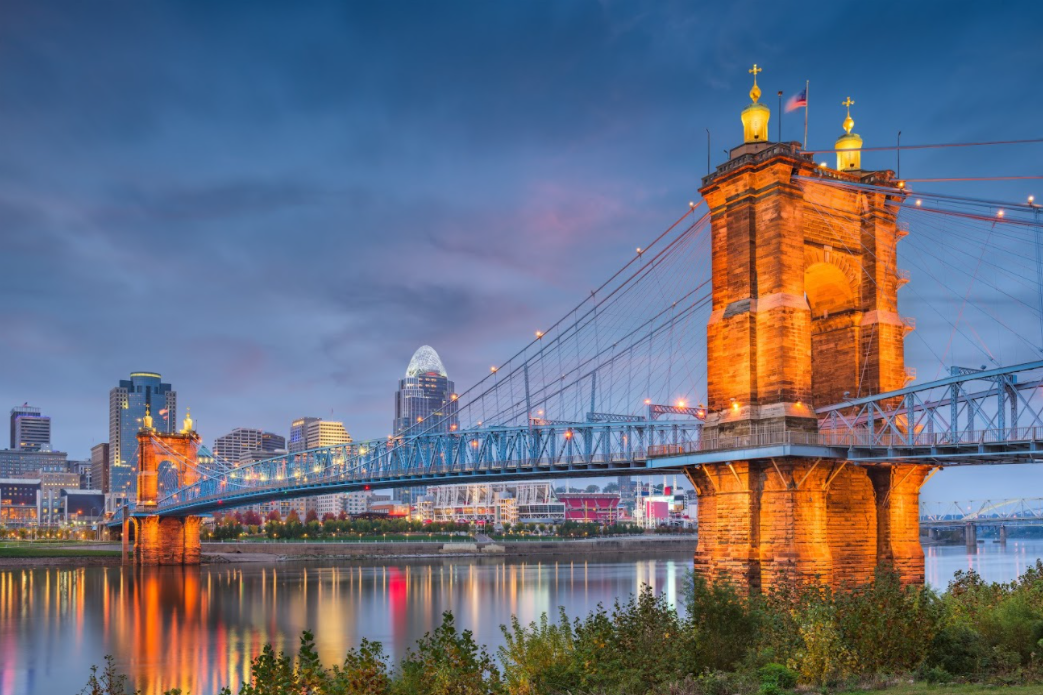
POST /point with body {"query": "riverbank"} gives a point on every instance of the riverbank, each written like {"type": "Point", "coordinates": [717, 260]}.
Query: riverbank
{"type": "Point", "coordinates": [626, 546]}
{"type": "Point", "coordinates": [109, 555]}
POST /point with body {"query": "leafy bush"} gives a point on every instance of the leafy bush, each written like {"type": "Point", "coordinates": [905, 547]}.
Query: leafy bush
{"type": "Point", "coordinates": [724, 622]}
{"type": "Point", "coordinates": [777, 675]}
{"type": "Point", "coordinates": [447, 662]}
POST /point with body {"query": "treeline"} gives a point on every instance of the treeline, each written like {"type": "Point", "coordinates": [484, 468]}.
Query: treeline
{"type": "Point", "coordinates": [722, 642]}
{"type": "Point", "coordinates": [570, 529]}
{"type": "Point", "coordinates": [230, 527]}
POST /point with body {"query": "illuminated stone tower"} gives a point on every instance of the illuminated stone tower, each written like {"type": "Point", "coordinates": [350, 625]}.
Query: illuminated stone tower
{"type": "Point", "coordinates": [804, 315]}
{"type": "Point", "coordinates": [167, 540]}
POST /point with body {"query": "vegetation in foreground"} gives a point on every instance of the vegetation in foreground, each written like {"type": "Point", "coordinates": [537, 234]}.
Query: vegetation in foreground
{"type": "Point", "coordinates": [881, 637]}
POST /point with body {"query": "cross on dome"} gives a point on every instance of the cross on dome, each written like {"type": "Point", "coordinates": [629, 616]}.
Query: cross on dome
{"type": "Point", "coordinates": [755, 93]}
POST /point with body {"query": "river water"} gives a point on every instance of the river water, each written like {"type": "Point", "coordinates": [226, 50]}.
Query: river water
{"type": "Point", "coordinates": [198, 628]}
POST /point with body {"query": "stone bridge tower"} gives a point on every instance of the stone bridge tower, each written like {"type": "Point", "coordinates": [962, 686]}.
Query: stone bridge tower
{"type": "Point", "coordinates": [164, 540]}
{"type": "Point", "coordinates": [805, 314]}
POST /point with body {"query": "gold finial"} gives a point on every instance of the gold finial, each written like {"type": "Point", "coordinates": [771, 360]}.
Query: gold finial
{"type": "Point", "coordinates": [849, 145]}
{"type": "Point", "coordinates": [755, 93]}
{"type": "Point", "coordinates": [849, 122]}
{"type": "Point", "coordinates": [188, 421]}
{"type": "Point", "coordinates": [147, 420]}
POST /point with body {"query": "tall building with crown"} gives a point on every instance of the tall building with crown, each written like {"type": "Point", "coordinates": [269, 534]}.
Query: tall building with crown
{"type": "Point", "coordinates": [128, 403]}
{"type": "Point", "coordinates": [424, 402]}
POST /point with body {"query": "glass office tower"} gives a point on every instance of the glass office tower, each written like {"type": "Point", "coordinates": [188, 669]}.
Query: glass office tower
{"type": "Point", "coordinates": [127, 403]}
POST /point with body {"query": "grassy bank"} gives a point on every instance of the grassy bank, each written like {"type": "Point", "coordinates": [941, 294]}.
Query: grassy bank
{"type": "Point", "coordinates": [27, 551]}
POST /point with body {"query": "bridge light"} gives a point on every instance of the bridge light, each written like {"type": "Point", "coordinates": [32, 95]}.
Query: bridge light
{"type": "Point", "coordinates": [680, 404]}
{"type": "Point", "coordinates": [453, 397]}
{"type": "Point", "coordinates": [648, 401]}
{"type": "Point", "coordinates": [568, 434]}
{"type": "Point", "coordinates": [999, 213]}
{"type": "Point", "coordinates": [492, 369]}
{"type": "Point", "coordinates": [639, 250]}
{"type": "Point", "coordinates": [419, 419]}
{"type": "Point", "coordinates": [474, 443]}
{"type": "Point", "coordinates": [918, 202]}
{"type": "Point", "coordinates": [901, 184]}
{"type": "Point", "coordinates": [539, 334]}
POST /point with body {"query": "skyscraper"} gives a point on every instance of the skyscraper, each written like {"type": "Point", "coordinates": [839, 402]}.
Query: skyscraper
{"type": "Point", "coordinates": [425, 399]}
{"type": "Point", "coordinates": [424, 402]}
{"type": "Point", "coordinates": [100, 467]}
{"type": "Point", "coordinates": [127, 404]}
{"type": "Point", "coordinates": [30, 431]}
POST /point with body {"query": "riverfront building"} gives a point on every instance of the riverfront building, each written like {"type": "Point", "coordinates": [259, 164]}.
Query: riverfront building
{"type": "Point", "coordinates": [127, 405]}
{"type": "Point", "coordinates": [492, 503]}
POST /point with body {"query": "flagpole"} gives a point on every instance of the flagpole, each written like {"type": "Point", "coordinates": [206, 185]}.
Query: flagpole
{"type": "Point", "coordinates": [807, 84]}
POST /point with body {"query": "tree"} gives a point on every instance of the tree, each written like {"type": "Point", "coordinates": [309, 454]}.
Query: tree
{"type": "Point", "coordinates": [293, 517]}
{"type": "Point", "coordinates": [252, 518]}
{"type": "Point", "coordinates": [593, 488]}
{"type": "Point", "coordinates": [611, 487]}
{"type": "Point", "coordinates": [311, 516]}
{"type": "Point", "coordinates": [274, 515]}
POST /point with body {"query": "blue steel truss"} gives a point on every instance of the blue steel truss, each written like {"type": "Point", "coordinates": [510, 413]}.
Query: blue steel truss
{"type": "Point", "coordinates": [974, 416]}
{"type": "Point", "coordinates": [477, 455]}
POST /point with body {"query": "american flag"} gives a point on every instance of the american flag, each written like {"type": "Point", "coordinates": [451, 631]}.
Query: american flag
{"type": "Point", "coordinates": [798, 100]}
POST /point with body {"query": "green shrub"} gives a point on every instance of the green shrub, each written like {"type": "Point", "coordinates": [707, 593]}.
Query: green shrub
{"type": "Point", "coordinates": [778, 675]}
{"type": "Point", "coordinates": [723, 621]}
{"type": "Point", "coordinates": [937, 674]}
{"type": "Point", "coordinates": [540, 658]}
{"type": "Point", "coordinates": [447, 662]}
{"type": "Point", "coordinates": [825, 659]}
{"type": "Point", "coordinates": [885, 626]}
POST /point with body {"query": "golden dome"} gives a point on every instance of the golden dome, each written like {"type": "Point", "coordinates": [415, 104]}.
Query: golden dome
{"type": "Point", "coordinates": [147, 420]}
{"type": "Point", "coordinates": [755, 116]}
{"type": "Point", "coordinates": [188, 421]}
{"type": "Point", "coordinates": [849, 145]}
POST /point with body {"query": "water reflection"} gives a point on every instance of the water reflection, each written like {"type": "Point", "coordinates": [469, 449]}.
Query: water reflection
{"type": "Point", "coordinates": [198, 628]}
{"type": "Point", "coordinates": [993, 561]}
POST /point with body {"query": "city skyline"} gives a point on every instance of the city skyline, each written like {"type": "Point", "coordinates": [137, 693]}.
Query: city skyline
{"type": "Point", "coordinates": [289, 165]}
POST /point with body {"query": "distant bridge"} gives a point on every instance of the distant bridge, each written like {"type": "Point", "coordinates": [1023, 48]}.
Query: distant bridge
{"type": "Point", "coordinates": [999, 512]}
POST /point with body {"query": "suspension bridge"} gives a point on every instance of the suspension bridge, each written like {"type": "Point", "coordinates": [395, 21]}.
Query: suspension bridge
{"type": "Point", "coordinates": [756, 346]}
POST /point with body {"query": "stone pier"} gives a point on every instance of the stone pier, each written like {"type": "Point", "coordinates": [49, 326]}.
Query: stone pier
{"type": "Point", "coordinates": [766, 523]}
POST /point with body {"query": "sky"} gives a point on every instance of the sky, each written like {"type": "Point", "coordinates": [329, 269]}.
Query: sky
{"type": "Point", "coordinates": [274, 204]}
